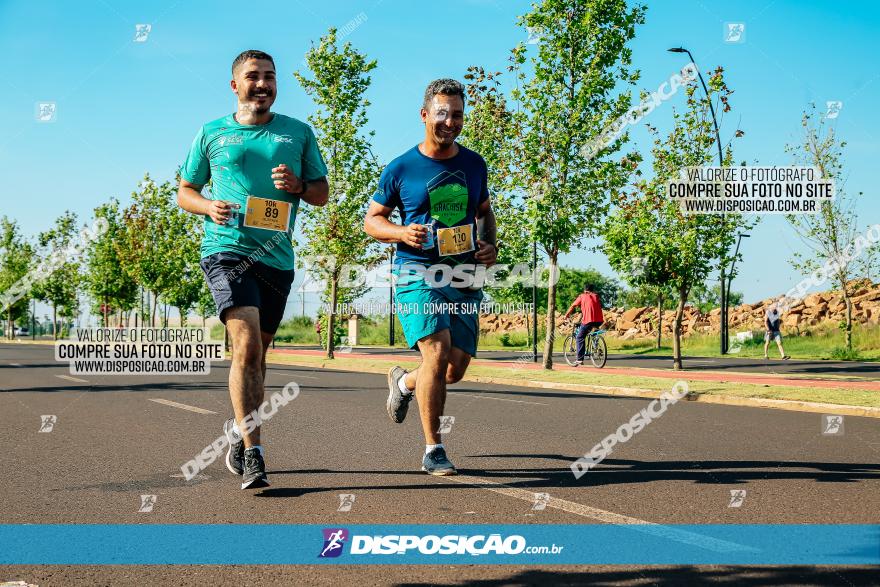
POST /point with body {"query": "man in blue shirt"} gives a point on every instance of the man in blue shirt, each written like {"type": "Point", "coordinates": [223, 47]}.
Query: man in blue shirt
{"type": "Point", "coordinates": [447, 235]}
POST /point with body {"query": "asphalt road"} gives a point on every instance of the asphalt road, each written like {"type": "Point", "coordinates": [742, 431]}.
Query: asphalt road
{"type": "Point", "coordinates": [113, 442]}
{"type": "Point", "coordinates": [812, 368]}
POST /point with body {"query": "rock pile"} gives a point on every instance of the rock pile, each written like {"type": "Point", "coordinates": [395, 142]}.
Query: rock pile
{"type": "Point", "coordinates": [813, 310]}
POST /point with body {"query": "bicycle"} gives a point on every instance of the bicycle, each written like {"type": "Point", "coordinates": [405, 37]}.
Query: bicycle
{"type": "Point", "coordinates": [596, 349]}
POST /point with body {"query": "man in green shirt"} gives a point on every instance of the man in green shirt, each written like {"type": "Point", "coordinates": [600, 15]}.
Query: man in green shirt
{"type": "Point", "coordinates": [260, 164]}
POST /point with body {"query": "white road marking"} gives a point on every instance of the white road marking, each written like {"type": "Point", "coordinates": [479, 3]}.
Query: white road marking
{"type": "Point", "coordinates": [168, 402]}
{"type": "Point", "coordinates": [606, 517]}
{"type": "Point", "coordinates": [69, 378]}
{"type": "Point", "coordinates": [198, 477]}
{"type": "Point", "coordinates": [500, 399]}
{"type": "Point", "coordinates": [15, 364]}
{"type": "Point", "coordinates": [295, 375]}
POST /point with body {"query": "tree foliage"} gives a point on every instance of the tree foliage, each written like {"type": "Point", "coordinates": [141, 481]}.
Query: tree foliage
{"type": "Point", "coordinates": [16, 258]}
{"type": "Point", "coordinates": [333, 234]}
{"type": "Point", "coordinates": [569, 95]}
{"type": "Point", "coordinates": [60, 288]}
{"type": "Point", "coordinates": [648, 239]}
{"type": "Point", "coordinates": [831, 235]}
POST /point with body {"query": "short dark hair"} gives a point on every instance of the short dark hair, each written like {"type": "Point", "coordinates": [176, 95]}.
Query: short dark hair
{"type": "Point", "coordinates": [445, 86]}
{"type": "Point", "coordinates": [250, 54]}
{"type": "Point", "coordinates": [588, 286]}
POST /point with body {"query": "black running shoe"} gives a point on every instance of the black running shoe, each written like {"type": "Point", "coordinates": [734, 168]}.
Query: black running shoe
{"type": "Point", "coordinates": [254, 475]}
{"type": "Point", "coordinates": [398, 402]}
{"type": "Point", "coordinates": [235, 454]}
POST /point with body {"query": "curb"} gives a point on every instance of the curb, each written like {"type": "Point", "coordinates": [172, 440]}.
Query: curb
{"type": "Point", "coordinates": [767, 403]}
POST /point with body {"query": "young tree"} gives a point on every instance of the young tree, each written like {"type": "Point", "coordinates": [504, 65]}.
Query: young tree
{"type": "Point", "coordinates": [205, 305]}
{"type": "Point", "coordinates": [491, 129]}
{"type": "Point", "coordinates": [645, 294]}
{"type": "Point", "coordinates": [648, 238]}
{"type": "Point", "coordinates": [60, 288]}
{"type": "Point", "coordinates": [104, 277]}
{"type": "Point", "coordinates": [16, 257]}
{"type": "Point", "coordinates": [832, 234]}
{"type": "Point", "coordinates": [333, 234]}
{"type": "Point", "coordinates": [564, 105]}
{"type": "Point", "coordinates": [149, 245]}
{"type": "Point", "coordinates": [184, 293]}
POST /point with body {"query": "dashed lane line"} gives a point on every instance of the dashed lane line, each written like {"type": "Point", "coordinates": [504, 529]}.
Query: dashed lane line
{"type": "Point", "coordinates": [168, 402]}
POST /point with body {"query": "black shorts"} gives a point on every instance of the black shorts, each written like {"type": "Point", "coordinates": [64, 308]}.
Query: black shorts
{"type": "Point", "coordinates": [235, 281]}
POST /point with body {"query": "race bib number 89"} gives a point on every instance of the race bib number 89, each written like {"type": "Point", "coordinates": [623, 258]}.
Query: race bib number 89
{"type": "Point", "coordinates": [455, 240]}
{"type": "Point", "coordinates": [267, 214]}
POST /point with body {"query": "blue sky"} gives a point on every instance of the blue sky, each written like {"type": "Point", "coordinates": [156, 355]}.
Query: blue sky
{"type": "Point", "coordinates": [127, 108]}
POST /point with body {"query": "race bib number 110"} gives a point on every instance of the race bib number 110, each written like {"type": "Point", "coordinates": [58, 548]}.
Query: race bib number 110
{"type": "Point", "coordinates": [456, 240]}
{"type": "Point", "coordinates": [267, 214]}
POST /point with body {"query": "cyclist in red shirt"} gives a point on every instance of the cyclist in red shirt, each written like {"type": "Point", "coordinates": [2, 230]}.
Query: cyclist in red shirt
{"type": "Point", "coordinates": [591, 318]}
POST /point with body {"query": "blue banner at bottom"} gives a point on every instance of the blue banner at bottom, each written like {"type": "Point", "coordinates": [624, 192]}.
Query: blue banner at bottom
{"type": "Point", "coordinates": [533, 544]}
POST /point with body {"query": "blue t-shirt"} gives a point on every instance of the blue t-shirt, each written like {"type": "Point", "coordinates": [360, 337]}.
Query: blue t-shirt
{"type": "Point", "coordinates": [445, 190]}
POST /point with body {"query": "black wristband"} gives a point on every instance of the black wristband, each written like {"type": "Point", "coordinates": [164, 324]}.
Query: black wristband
{"type": "Point", "coordinates": [305, 186]}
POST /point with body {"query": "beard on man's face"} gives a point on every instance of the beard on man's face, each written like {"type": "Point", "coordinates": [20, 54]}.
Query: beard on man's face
{"type": "Point", "coordinates": [259, 100]}
{"type": "Point", "coordinates": [445, 135]}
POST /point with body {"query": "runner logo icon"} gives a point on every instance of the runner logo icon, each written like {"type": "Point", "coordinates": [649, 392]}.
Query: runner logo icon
{"type": "Point", "coordinates": [334, 539]}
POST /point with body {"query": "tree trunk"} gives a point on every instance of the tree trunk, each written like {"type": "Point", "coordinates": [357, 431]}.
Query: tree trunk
{"type": "Point", "coordinates": [659, 319]}
{"type": "Point", "coordinates": [551, 313]}
{"type": "Point", "coordinates": [54, 322]}
{"type": "Point", "coordinates": [10, 329]}
{"type": "Point", "coordinates": [676, 328]}
{"type": "Point", "coordinates": [331, 318]}
{"type": "Point", "coordinates": [848, 303]}
{"type": "Point", "coordinates": [529, 330]}
{"type": "Point", "coordinates": [153, 310]}
{"type": "Point", "coordinates": [182, 317]}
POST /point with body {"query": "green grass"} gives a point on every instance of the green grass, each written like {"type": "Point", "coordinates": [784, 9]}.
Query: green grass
{"type": "Point", "coordinates": [835, 395]}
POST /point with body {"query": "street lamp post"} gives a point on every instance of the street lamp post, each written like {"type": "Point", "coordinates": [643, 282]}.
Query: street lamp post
{"type": "Point", "coordinates": [720, 164]}
{"type": "Point", "coordinates": [739, 238]}
{"type": "Point", "coordinates": [391, 296]}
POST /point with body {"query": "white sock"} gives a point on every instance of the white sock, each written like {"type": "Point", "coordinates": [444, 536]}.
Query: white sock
{"type": "Point", "coordinates": [401, 383]}
{"type": "Point", "coordinates": [259, 448]}
{"type": "Point", "coordinates": [430, 447]}
{"type": "Point", "coordinates": [235, 429]}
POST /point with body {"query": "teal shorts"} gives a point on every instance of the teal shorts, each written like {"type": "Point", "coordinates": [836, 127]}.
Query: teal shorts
{"type": "Point", "coordinates": [424, 310]}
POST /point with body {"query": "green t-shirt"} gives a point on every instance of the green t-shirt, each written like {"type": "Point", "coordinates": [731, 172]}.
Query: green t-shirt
{"type": "Point", "coordinates": [239, 159]}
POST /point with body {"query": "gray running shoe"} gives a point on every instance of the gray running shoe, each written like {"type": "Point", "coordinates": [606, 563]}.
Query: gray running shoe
{"type": "Point", "coordinates": [398, 402]}
{"type": "Point", "coordinates": [436, 463]}
{"type": "Point", "coordinates": [235, 454]}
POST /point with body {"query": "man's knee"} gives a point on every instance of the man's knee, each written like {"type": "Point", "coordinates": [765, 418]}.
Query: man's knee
{"type": "Point", "coordinates": [435, 349]}
{"type": "Point", "coordinates": [249, 353]}
{"type": "Point", "coordinates": [454, 373]}
{"type": "Point", "coordinates": [458, 364]}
